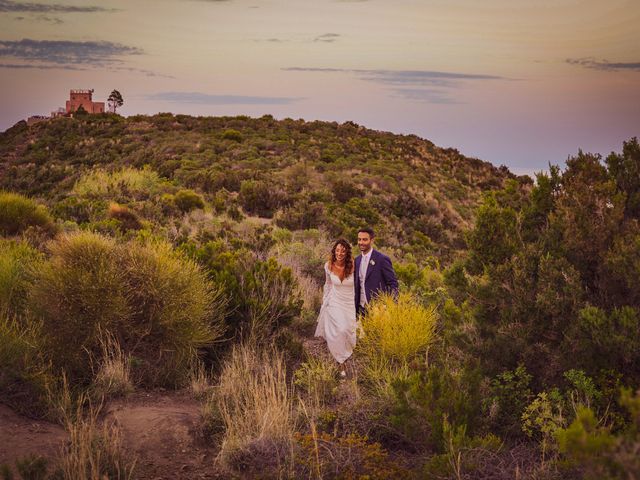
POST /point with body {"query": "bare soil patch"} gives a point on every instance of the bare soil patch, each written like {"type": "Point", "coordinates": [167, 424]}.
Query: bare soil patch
{"type": "Point", "coordinates": [159, 429]}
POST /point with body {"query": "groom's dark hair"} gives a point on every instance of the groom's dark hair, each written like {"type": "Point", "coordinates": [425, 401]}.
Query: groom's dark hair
{"type": "Point", "coordinates": [367, 230]}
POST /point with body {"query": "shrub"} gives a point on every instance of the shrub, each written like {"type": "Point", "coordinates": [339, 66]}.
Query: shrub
{"type": "Point", "coordinates": [259, 197]}
{"type": "Point", "coordinates": [31, 467]}
{"type": "Point", "coordinates": [18, 212]}
{"type": "Point", "coordinates": [271, 300]}
{"type": "Point", "coordinates": [510, 395]}
{"type": "Point", "coordinates": [233, 135]}
{"type": "Point", "coordinates": [262, 294]}
{"type": "Point", "coordinates": [396, 331]}
{"type": "Point", "coordinates": [254, 404]}
{"type": "Point", "coordinates": [466, 456]}
{"type": "Point", "coordinates": [318, 378]}
{"type": "Point", "coordinates": [585, 443]}
{"type": "Point", "coordinates": [178, 310]}
{"type": "Point", "coordinates": [187, 200]}
{"type": "Point", "coordinates": [345, 457]}
{"type": "Point", "coordinates": [303, 215]}
{"type": "Point", "coordinates": [127, 218]}
{"type": "Point", "coordinates": [23, 372]}
{"type": "Point", "coordinates": [16, 262]}
{"type": "Point", "coordinates": [121, 185]}
{"type": "Point", "coordinates": [80, 210]}
{"type": "Point", "coordinates": [80, 289]}
{"type": "Point", "coordinates": [159, 305]}
{"type": "Point", "coordinates": [428, 395]}
{"type": "Point", "coordinates": [543, 417]}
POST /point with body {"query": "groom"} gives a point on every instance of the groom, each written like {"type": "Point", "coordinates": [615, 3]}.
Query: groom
{"type": "Point", "coordinates": [373, 272]}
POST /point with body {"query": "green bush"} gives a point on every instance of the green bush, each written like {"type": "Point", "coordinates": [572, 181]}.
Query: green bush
{"type": "Point", "coordinates": [23, 372]}
{"type": "Point", "coordinates": [17, 262]}
{"type": "Point", "coordinates": [18, 212]}
{"type": "Point", "coordinates": [187, 200]}
{"type": "Point", "coordinates": [80, 289]}
{"type": "Point", "coordinates": [430, 394]}
{"type": "Point", "coordinates": [233, 135]}
{"type": "Point", "coordinates": [259, 197]}
{"type": "Point", "coordinates": [159, 306]}
{"type": "Point", "coordinates": [303, 215]}
{"type": "Point", "coordinates": [510, 395]}
{"type": "Point", "coordinates": [178, 310]}
{"type": "Point", "coordinates": [262, 293]}
{"type": "Point", "coordinates": [121, 186]}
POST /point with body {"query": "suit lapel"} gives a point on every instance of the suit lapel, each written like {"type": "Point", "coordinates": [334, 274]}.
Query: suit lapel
{"type": "Point", "coordinates": [356, 268]}
{"type": "Point", "coordinates": [370, 267]}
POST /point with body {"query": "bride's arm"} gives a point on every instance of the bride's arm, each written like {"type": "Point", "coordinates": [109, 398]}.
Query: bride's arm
{"type": "Point", "coordinates": [327, 283]}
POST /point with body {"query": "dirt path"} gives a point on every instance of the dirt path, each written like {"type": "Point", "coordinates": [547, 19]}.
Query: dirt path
{"type": "Point", "coordinates": [160, 430]}
{"type": "Point", "coordinates": [21, 436]}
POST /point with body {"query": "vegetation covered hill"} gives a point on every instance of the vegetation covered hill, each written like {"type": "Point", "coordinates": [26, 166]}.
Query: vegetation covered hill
{"type": "Point", "coordinates": [171, 252]}
{"type": "Point", "coordinates": [421, 198]}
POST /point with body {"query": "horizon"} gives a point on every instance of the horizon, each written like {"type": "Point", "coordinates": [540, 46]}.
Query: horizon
{"type": "Point", "coordinates": [517, 85]}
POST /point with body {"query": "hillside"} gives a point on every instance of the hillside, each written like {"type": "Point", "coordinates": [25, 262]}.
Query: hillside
{"type": "Point", "coordinates": [161, 279]}
{"type": "Point", "coordinates": [301, 174]}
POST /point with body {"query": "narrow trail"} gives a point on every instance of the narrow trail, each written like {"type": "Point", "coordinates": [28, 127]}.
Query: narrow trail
{"type": "Point", "coordinates": [160, 429]}
{"type": "Point", "coordinates": [162, 432]}
{"type": "Point", "coordinates": [21, 436]}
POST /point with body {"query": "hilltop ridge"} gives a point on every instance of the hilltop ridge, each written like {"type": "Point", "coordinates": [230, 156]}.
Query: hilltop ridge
{"type": "Point", "coordinates": [301, 174]}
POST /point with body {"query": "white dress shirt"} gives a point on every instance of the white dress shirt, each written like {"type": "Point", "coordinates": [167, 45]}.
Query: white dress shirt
{"type": "Point", "coordinates": [364, 264]}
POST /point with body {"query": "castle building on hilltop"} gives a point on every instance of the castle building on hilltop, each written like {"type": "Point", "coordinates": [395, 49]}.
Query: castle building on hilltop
{"type": "Point", "coordinates": [83, 98]}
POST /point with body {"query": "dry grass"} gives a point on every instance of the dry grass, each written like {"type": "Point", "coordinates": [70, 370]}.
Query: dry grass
{"type": "Point", "coordinates": [255, 405]}
{"type": "Point", "coordinates": [113, 377]}
{"type": "Point", "coordinates": [318, 377]}
{"type": "Point", "coordinates": [199, 381]}
{"type": "Point", "coordinates": [95, 450]}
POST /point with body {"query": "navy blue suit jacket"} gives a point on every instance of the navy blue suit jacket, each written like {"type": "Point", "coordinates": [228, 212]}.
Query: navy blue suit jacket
{"type": "Point", "coordinates": [380, 277]}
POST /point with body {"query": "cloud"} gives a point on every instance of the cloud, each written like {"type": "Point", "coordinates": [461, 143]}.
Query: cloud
{"type": "Point", "coordinates": [403, 77]}
{"type": "Point", "coordinates": [148, 73]}
{"type": "Point", "coordinates": [45, 18]}
{"type": "Point", "coordinates": [206, 99]}
{"type": "Point", "coordinates": [98, 53]}
{"type": "Point", "coordinates": [425, 95]}
{"type": "Point", "coordinates": [324, 38]}
{"type": "Point", "coordinates": [24, 66]}
{"type": "Point", "coordinates": [19, 66]}
{"type": "Point", "coordinates": [604, 64]}
{"type": "Point", "coordinates": [411, 84]}
{"type": "Point", "coordinates": [10, 6]}
{"type": "Point", "coordinates": [327, 38]}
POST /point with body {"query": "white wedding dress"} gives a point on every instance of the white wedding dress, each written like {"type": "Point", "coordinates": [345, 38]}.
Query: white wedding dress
{"type": "Point", "coordinates": [337, 319]}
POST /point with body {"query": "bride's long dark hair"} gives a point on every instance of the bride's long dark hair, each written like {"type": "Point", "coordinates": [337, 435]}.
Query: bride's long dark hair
{"type": "Point", "coordinates": [348, 259]}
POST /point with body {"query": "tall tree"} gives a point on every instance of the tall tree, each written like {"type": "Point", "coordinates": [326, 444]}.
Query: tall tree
{"type": "Point", "coordinates": [115, 100]}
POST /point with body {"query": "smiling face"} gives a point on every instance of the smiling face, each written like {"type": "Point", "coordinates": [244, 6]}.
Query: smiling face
{"type": "Point", "coordinates": [340, 253]}
{"type": "Point", "coordinates": [365, 242]}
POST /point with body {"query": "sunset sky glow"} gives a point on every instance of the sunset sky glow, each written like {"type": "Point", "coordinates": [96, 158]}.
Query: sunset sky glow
{"type": "Point", "coordinates": [514, 82]}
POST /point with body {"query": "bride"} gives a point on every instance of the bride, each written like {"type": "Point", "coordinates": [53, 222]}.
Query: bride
{"type": "Point", "coordinates": [337, 319]}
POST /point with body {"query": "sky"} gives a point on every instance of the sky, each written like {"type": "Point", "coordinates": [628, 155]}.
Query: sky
{"type": "Point", "coordinates": [521, 83]}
